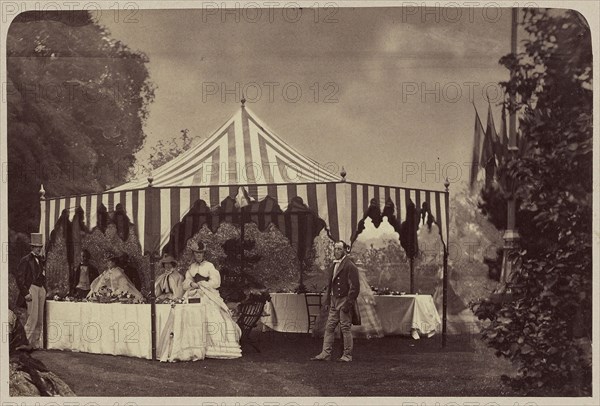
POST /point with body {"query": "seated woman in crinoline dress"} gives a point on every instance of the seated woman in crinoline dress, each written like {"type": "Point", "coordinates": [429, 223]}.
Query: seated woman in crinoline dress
{"type": "Point", "coordinates": [187, 337]}
{"type": "Point", "coordinates": [169, 284]}
{"type": "Point", "coordinates": [113, 278]}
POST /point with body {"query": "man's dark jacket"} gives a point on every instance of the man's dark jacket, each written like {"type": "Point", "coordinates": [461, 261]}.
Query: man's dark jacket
{"type": "Point", "coordinates": [345, 283]}
{"type": "Point", "coordinates": [29, 272]}
{"type": "Point", "coordinates": [92, 274]}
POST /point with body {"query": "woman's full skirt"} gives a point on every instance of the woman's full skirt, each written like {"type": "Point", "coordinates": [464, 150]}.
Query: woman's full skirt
{"type": "Point", "coordinates": [197, 331]}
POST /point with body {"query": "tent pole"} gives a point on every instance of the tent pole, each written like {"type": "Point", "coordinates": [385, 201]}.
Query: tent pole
{"type": "Point", "coordinates": [445, 298]}
{"type": "Point", "coordinates": [42, 230]}
{"type": "Point", "coordinates": [301, 287]}
{"type": "Point", "coordinates": [242, 240]}
{"type": "Point", "coordinates": [151, 243]}
{"type": "Point", "coordinates": [412, 275]}
{"type": "Point", "coordinates": [153, 303]}
{"type": "Point", "coordinates": [445, 274]}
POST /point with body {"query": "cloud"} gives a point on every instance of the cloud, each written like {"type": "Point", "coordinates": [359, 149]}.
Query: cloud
{"type": "Point", "coordinates": [415, 44]}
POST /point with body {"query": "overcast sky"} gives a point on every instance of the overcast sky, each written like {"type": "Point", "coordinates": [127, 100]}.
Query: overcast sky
{"type": "Point", "coordinates": [396, 86]}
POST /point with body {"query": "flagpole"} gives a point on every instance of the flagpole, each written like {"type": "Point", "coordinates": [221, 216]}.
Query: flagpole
{"type": "Point", "coordinates": [513, 50]}
{"type": "Point", "coordinates": [511, 235]}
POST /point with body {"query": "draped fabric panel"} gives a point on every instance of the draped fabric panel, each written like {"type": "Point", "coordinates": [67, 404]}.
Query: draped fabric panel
{"type": "Point", "coordinates": [156, 211]}
{"type": "Point", "coordinates": [132, 202]}
{"type": "Point", "coordinates": [438, 202]}
{"type": "Point", "coordinates": [298, 223]}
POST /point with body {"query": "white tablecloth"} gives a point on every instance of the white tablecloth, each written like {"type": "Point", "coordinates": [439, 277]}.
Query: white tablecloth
{"type": "Point", "coordinates": [106, 328]}
{"type": "Point", "coordinates": [399, 315]}
{"type": "Point", "coordinates": [100, 328]}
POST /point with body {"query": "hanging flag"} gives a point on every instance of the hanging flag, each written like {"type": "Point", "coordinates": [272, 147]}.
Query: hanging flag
{"type": "Point", "coordinates": [243, 199]}
{"type": "Point", "coordinates": [490, 139]}
{"type": "Point", "coordinates": [502, 153]}
{"type": "Point", "coordinates": [501, 149]}
{"type": "Point", "coordinates": [479, 132]}
{"type": "Point", "coordinates": [487, 159]}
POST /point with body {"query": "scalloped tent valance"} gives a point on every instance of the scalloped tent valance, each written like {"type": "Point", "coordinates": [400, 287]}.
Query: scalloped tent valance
{"type": "Point", "coordinates": [210, 173]}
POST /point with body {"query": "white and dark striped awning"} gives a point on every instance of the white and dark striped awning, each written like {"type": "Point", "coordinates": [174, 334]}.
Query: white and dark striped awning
{"type": "Point", "coordinates": [157, 210]}
{"type": "Point", "coordinates": [242, 152]}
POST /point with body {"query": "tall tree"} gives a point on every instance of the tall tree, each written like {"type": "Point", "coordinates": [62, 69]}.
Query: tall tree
{"type": "Point", "coordinates": [77, 102]}
{"type": "Point", "coordinates": [164, 152]}
{"type": "Point", "coordinates": [546, 329]}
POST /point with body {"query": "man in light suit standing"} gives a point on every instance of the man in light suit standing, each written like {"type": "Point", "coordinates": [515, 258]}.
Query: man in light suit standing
{"type": "Point", "coordinates": [31, 281]}
{"type": "Point", "coordinates": [342, 291]}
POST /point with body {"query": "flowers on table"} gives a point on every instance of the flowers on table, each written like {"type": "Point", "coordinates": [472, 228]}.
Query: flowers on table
{"type": "Point", "coordinates": [67, 298]}
{"type": "Point", "coordinates": [106, 295]}
{"type": "Point", "coordinates": [386, 291]}
{"type": "Point", "coordinates": [171, 301]}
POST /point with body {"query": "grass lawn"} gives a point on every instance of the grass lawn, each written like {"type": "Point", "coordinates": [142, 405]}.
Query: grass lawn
{"type": "Point", "coordinates": [391, 366]}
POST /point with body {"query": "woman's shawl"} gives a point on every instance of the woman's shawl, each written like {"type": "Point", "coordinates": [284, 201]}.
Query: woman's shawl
{"type": "Point", "coordinates": [169, 282]}
{"type": "Point", "coordinates": [116, 280]}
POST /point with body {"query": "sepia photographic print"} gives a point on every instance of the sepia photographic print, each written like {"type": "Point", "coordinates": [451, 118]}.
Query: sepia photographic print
{"type": "Point", "coordinates": [299, 203]}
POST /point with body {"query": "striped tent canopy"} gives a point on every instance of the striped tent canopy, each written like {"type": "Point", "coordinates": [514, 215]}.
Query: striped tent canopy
{"type": "Point", "coordinates": [242, 152]}
{"type": "Point", "coordinates": [199, 187]}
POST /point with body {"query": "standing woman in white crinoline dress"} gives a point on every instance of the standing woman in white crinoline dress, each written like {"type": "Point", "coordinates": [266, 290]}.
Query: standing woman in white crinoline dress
{"type": "Point", "coordinates": [370, 324]}
{"type": "Point", "coordinates": [218, 336]}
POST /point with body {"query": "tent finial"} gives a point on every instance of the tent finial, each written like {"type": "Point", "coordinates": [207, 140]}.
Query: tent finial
{"type": "Point", "coordinates": [42, 192]}
{"type": "Point", "coordinates": [243, 100]}
{"type": "Point", "coordinates": [343, 174]}
{"type": "Point", "coordinates": [447, 184]}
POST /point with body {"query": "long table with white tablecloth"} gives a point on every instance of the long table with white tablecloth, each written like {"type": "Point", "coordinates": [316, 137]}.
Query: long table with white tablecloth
{"type": "Point", "coordinates": [125, 329]}
{"type": "Point", "coordinates": [107, 328]}
{"type": "Point", "coordinates": [399, 315]}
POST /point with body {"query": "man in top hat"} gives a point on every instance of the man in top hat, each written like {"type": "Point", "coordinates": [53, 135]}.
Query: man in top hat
{"type": "Point", "coordinates": [342, 291]}
{"type": "Point", "coordinates": [31, 281]}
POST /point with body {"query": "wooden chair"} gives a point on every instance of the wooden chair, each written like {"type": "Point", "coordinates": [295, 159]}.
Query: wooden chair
{"type": "Point", "coordinates": [250, 313]}
{"type": "Point", "coordinates": [313, 308]}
